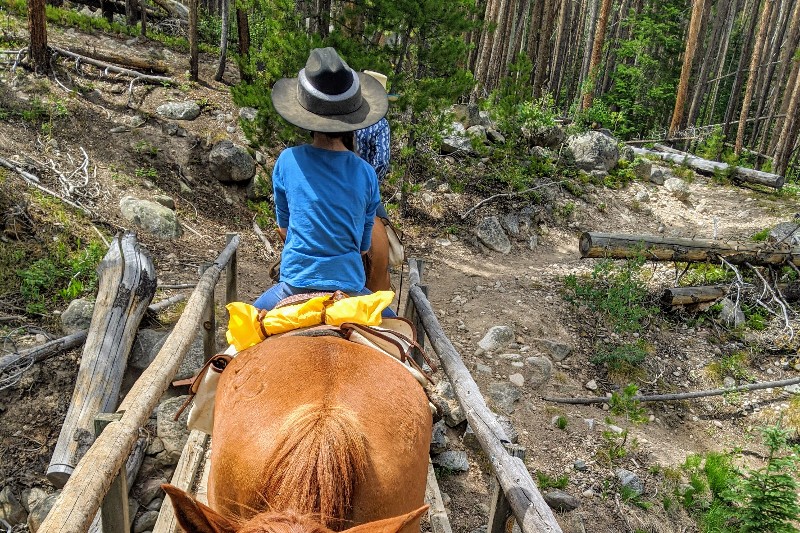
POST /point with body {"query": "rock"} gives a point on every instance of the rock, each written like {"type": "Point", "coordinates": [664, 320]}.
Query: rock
{"type": "Point", "coordinates": [453, 460]}
{"type": "Point", "coordinates": [151, 217]}
{"type": "Point", "coordinates": [179, 110]}
{"type": "Point", "coordinates": [477, 132]}
{"type": "Point", "coordinates": [485, 120]}
{"type": "Point", "coordinates": [136, 121]}
{"type": "Point", "coordinates": [467, 114]}
{"type": "Point", "coordinates": [677, 187]}
{"type": "Point", "coordinates": [32, 496]}
{"type": "Point", "coordinates": [728, 382]}
{"type": "Point", "coordinates": [165, 200]}
{"type": "Point", "coordinates": [642, 169]}
{"type": "Point", "coordinates": [503, 396]}
{"type": "Point", "coordinates": [625, 152]}
{"type": "Point", "coordinates": [557, 350]}
{"type": "Point", "coordinates": [456, 140]}
{"type": "Point", "coordinates": [545, 136]}
{"type": "Point", "coordinates": [539, 370]}
{"type": "Point", "coordinates": [77, 316]}
{"type": "Point", "coordinates": [230, 162]}
{"type": "Point", "coordinates": [173, 433]}
{"type": "Point", "coordinates": [517, 379]}
{"type": "Point", "coordinates": [145, 346]}
{"type": "Point", "coordinates": [657, 176]}
{"type": "Point", "coordinates": [731, 314]}
{"type": "Point", "coordinates": [594, 151]}
{"type": "Point", "coordinates": [591, 385]}
{"type": "Point", "coordinates": [439, 437]}
{"type": "Point", "coordinates": [11, 510]}
{"type": "Point", "coordinates": [579, 465]}
{"type": "Point", "coordinates": [248, 113]}
{"type": "Point", "coordinates": [642, 196]}
{"type": "Point", "coordinates": [150, 490]}
{"type": "Point", "coordinates": [630, 480]}
{"type": "Point", "coordinates": [495, 136]}
{"type": "Point", "coordinates": [145, 522]}
{"type": "Point", "coordinates": [785, 232]}
{"type": "Point", "coordinates": [511, 223]}
{"type": "Point", "coordinates": [41, 510]}
{"type": "Point", "coordinates": [496, 338]}
{"type": "Point", "coordinates": [560, 501]}
{"type": "Point", "coordinates": [490, 232]}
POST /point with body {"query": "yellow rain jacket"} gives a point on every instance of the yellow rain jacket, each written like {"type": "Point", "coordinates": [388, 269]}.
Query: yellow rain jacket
{"type": "Point", "coordinates": [244, 329]}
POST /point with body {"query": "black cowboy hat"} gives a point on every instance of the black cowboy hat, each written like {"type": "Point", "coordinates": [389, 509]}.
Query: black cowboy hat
{"type": "Point", "coordinates": [328, 96]}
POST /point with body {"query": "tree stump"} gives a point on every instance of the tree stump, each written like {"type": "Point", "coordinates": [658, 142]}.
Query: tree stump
{"type": "Point", "coordinates": [127, 285]}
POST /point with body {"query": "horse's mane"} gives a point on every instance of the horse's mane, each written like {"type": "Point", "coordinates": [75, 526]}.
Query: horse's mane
{"type": "Point", "coordinates": [318, 457]}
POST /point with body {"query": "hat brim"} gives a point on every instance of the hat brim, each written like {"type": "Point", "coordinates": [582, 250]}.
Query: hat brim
{"type": "Point", "coordinates": [373, 108]}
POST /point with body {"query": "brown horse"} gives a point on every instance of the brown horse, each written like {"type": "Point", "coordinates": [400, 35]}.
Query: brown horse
{"type": "Point", "coordinates": [313, 434]}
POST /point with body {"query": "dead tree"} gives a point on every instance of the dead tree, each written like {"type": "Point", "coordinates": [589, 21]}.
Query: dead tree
{"type": "Point", "coordinates": [127, 284]}
{"type": "Point", "coordinates": [37, 27]}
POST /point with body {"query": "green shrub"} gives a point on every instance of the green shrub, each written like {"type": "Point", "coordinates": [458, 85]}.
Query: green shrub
{"type": "Point", "coordinates": [544, 481]}
{"type": "Point", "coordinates": [624, 404]}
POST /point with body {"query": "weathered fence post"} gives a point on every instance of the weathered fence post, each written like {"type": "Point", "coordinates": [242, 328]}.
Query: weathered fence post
{"type": "Point", "coordinates": [209, 324]}
{"type": "Point", "coordinates": [415, 267]}
{"type": "Point", "coordinates": [500, 510]}
{"type": "Point", "coordinates": [127, 284]}
{"type": "Point", "coordinates": [114, 511]}
{"type": "Point", "coordinates": [230, 273]}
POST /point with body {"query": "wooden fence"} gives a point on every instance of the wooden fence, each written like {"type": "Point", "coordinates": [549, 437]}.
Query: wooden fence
{"type": "Point", "coordinates": [98, 481]}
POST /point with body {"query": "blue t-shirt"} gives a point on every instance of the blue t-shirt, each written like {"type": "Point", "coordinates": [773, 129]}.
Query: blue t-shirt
{"type": "Point", "coordinates": [327, 201]}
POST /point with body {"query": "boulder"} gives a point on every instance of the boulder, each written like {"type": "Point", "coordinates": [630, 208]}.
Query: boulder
{"type": "Point", "coordinates": [230, 162]}
{"type": "Point", "coordinates": [77, 316]}
{"type": "Point", "coordinates": [496, 338]}
{"type": "Point", "coordinates": [677, 187]}
{"type": "Point", "coordinates": [490, 232]}
{"type": "Point", "coordinates": [594, 150]}
{"type": "Point", "coordinates": [179, 110]}
{"type": "Point", "coordinates": [151, 217]}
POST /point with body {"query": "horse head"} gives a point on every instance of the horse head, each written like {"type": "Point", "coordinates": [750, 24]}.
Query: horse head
{"type": "Point", "coordinates": [194, 517]}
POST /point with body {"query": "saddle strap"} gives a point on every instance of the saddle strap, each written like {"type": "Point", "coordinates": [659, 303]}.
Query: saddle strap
{"type": "Point", "coordinates": [397, 340]}
{"type": "Point", "coordinates": [216, 363]}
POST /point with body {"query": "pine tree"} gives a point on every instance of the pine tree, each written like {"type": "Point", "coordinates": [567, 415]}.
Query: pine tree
{"type": "Point", "coordinates": [686, 71]}
{"type": "Point", "coordinates": [37, 27]}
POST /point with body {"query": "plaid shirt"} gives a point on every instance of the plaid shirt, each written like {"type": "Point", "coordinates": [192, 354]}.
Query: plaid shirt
{"type": "Point", "coordinates": [373, 146]}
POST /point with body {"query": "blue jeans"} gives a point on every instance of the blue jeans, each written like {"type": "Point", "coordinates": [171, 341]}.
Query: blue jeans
{"type": "Point", "coordinates": [282, 290]}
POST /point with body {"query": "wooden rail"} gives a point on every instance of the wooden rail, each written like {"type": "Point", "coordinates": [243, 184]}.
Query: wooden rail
{"type": "Point", "coordinates": [529, 508]}
{"type": "Point", "coordinates": [86, 488]}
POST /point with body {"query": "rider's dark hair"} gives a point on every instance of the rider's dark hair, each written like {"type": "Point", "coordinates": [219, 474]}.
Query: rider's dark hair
{"type": "Point", "coordinates": [348, 138]}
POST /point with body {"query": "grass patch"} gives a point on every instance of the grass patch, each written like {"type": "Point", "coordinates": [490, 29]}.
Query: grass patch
{"type": "Point", "coordinates": [544, 481]}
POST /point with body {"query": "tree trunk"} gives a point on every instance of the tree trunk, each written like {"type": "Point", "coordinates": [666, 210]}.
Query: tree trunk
{"type": "Point", "coordinates": [597, 50]}
{"type": "Point", "coordinates": [493, 73]}
{"type": "Point", "coordinates": [193, 48]}
{"type": "Point", "coordinates": [223, 40]}
{"type": "Point", "coordinates": [785, 76]}
{"type": "Point", "coordinates": [37, 28]}
{"type": "Point", "coordinates": [700, 89]}
{"type": "Point", "coordinates": [143, 18]}
{"type": "Point", "coordinates": [686, 70]}
{"type": "Point", "coordinates": [557, 71]}
{"type": "Point", "coordinates": [722, 53]}
{"type": "Point", "coordinates": [791, 124]}
{"type": "Point", "coordinates": [127, 284]}
{"type": "Point", "coordinates": [751, 79]}
{"type": "Point", "coordinates": [487, 38]}
{"type": "Point", "coordinates": [738, 81]}
{"type": "Point", "coordinates": [675, 296]}
{"type": "Point", "coordinates": [545, 49]}
{"type": "Point", "coordinates": [654, 248]}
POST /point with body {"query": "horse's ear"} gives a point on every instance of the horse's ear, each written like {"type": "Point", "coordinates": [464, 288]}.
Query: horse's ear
{"type": "Point", "coordinates": [195, 517]}
{"type": "Point", "coordinates": [389, 525]}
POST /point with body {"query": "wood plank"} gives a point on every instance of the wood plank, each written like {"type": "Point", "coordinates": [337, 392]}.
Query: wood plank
{"type": "Point", "coordinates": [127, 285]}
{"type": "Point", "coordinates": [654, 248]}
{"type": "Point", "coordinates": [194, 451]}
{"type": "Point", "coordinates": [88, 484]}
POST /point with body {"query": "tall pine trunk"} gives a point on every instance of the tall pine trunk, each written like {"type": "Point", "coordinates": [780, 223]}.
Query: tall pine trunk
{"type": "Point", "coordinates": [752, 78]}
{"type": "Point", "coordinates": [193, 47]}
{"type": "Point", "coordinates": [751, 15]}
{"type": "Point", "coordinates": [722, 54]}
{"type": "Point", "coordinates": [591, 22]}
{"type": "Point", "coordinates": [766, 89]}
{"type": "Point", "coordinates": [223, 40]}
{"type": "Point", "coordinates": [706, 64]}
{"type": "Point", "coordinates": [597, 51]}
{"type": "Point", "coordinates": [37, 28]}
{"type": "Point", "coordinates": [485, 52]}
{"type": "Point", "coordinates": [545, 48]}
{"type": "Point", "coordinates": [785, 71]}
{"type": "Point", "coordinates": [686, 70]}
{"type": "Point", "coordinates": [791, 125]}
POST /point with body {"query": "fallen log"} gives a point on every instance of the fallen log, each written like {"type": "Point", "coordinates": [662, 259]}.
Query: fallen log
{"type": "Point", "coordinates": [137, 63]}
{"type": "Point", "coordinates": [689, 296]}
{"type": "Point", "coordinates": [625, 246]}
{"type": "Point", "coordinates": [710, 167]}
{"type": "Point", "coordinates": [680, 296]}
{"type": "Point", "coordinates": [127, 284]}
{"type": "Point", "coordinates": [118, 8]}
{"type": "Point", "coordinates": [148, 78]}
{"type": "Point", "coordinates": [679, 396]}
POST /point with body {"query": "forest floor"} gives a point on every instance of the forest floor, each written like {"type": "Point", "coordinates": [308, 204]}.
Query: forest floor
{"type": "Point", "coordinates": [470, 288]}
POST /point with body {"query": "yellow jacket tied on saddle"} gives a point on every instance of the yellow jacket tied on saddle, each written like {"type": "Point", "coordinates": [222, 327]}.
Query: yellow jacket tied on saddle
{"type": "Point", "coordinates": [244, 329]}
